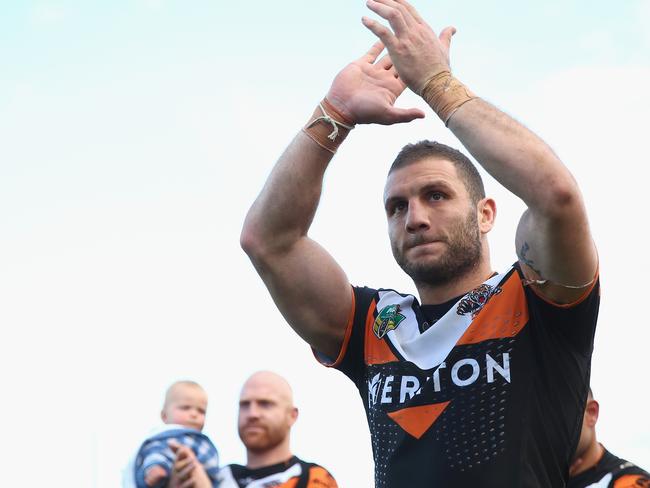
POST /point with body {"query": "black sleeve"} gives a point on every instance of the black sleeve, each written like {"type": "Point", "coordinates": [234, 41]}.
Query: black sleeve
{"type": "Point", "coordinates": [562, 338]}
{"type": "Point", "coordinates": [573, 324]}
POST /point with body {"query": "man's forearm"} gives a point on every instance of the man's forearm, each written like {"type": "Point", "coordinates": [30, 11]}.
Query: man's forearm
{"type": "Point", "coordinates": [308, 286]}
{"type": "Point", "coordinates": [513, 155]}
{"type": "Point", "coordinates": [553, 238]}
{"type": "Point", "coordinates": [284, 210]}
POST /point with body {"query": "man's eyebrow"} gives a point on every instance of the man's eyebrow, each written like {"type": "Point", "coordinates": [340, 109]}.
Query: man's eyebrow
{"type": "Point", "coordinates": [393, 199]}
{"type": "Point", "coordinates": [437, 185]}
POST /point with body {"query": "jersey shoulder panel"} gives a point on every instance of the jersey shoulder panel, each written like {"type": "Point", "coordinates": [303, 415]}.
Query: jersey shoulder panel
{"type": "Point", "coordinates": [319, 477]}
{"type": "Point", "coordinates": [632, 481]}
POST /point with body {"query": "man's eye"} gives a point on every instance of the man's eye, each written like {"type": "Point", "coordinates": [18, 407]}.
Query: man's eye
{"type": "Point", "coordinates": [436, 196]}
{"type": "Point", "coordinates": [399, 207]}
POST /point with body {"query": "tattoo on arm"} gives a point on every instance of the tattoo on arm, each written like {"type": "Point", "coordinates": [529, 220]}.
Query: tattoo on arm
{"type": "Point", "coordinates": [528, 262]}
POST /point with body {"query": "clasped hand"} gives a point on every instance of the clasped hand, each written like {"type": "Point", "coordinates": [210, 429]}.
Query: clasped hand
{"type": "Point", "coordinates": [365, 91]}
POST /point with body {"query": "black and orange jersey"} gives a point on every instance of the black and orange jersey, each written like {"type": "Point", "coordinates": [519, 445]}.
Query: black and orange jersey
{"type": "Point", "coordinates": [611, 472]}
{"type": "Point", "coordinates": [295, 473]}
{"type": "Point", "coordinates": [487, 390]}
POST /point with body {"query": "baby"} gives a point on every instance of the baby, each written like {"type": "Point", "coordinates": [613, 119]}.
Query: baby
{"type": "Point", "coordinates": [183, 414]}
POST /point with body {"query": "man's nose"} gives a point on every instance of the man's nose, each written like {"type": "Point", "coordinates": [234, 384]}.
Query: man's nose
{"type": "Point", "coordinates": [253, 411]}
{"type": "Point", "coordinates": [416, 217]}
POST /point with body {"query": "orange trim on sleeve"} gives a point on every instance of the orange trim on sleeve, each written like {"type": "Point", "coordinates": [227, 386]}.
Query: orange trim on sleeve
{"type": "Point", "coordinates": [346, 339]}
{"type": "Point", "coordinates": [575, 302]}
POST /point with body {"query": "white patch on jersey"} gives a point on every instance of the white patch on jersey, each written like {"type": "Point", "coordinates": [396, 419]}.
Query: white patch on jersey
{"type": "Point", "coordinates": [430, 348]}
{"type": "Point", "coordinates": [603, 483]}
{"type": "Point", "coordinates": [225, 478]}
{"type": "Point", "coordinates": [373, 389]}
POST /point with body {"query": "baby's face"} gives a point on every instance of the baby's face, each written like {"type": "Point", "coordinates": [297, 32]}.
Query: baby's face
{"type": "Point", "coordinates": [186, 407]}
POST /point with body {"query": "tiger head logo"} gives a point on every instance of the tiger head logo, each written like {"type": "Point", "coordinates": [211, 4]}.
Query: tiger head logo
{"type": "Point", "coordinates": [476, 299]}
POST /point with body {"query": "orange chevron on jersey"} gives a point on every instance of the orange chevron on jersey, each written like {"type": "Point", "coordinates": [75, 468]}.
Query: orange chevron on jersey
{"type": "Point", "coordinates": [417, 420]}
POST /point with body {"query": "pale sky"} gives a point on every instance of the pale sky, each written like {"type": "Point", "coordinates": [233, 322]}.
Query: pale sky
{"type": "Point", "coordinates": [134, 135]}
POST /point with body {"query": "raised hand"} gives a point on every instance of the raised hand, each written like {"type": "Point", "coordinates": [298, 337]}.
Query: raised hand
{"type": "Point", "coordinates": [366, 89]}
{"type": "Point", "coordinates": [187, 471]}
{"type": "Point", "coordinates": [415, 49]}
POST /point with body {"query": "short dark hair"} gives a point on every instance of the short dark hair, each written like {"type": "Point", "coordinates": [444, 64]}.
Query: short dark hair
{"type": "Point", "coordinates": [412, 153]}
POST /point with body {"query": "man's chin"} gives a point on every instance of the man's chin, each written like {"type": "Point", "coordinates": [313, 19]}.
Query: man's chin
{"type": "Point", "coordinates": [436, 269]}
{"type": "Point", "coordinates": [257, 446]}
{"type": "Point", "coordinates": [425, 265]}
{"type": "Point", "coordinates": [430, 271]}
{"type": "Point", "coordinates": [255, 443]}
{"type": "Point", "coordinates": [430, 251]}
{"type": "Point", "coordinates": [251, 434]}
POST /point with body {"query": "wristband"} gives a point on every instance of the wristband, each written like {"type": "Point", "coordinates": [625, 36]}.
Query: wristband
{"type": "Point", "coordinates": [445, 94]}
{"type": "Point", "coordinates": [328, 127]}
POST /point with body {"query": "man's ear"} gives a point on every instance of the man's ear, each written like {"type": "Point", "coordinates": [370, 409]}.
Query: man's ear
{"type": "Point", "coordinates": [591, 412]}
{"type": "Point", "coordinates": [486, 210]}
{"type": "Point", "coordinates": [293, 415]}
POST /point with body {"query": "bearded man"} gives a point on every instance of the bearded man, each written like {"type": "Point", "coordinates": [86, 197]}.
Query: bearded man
{"type": "Point", "coordinates": [482, 379]}
{"type": "Point", "coordinates": [266, 415]}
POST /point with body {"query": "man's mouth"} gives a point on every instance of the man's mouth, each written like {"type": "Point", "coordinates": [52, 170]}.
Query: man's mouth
{"type": "Point", "coordinates": [421, 243]}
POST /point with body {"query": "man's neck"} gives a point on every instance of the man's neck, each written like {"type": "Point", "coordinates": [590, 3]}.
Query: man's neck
{"type": "Point", "coordinates": [434, 295]}
{"type": "Point", "coordinates": [278, 454]}
{"type": "Point", "coordinates": [588, 460]}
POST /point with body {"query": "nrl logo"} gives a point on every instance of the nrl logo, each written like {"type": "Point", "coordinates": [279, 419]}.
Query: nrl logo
{"type": "Point", "coordinates": [476, 299]}
{"type": "Point", "coordinates": [387, 319]}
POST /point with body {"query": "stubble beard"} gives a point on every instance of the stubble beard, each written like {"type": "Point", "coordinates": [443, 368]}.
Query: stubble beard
{"type": "Point", "coordinates": [463, 255]}
{"type": "Point", "coordinates": [260, 443]}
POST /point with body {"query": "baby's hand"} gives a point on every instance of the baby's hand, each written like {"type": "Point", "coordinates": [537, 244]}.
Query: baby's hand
{"type": "Point", "coordinates": [154, 475]}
